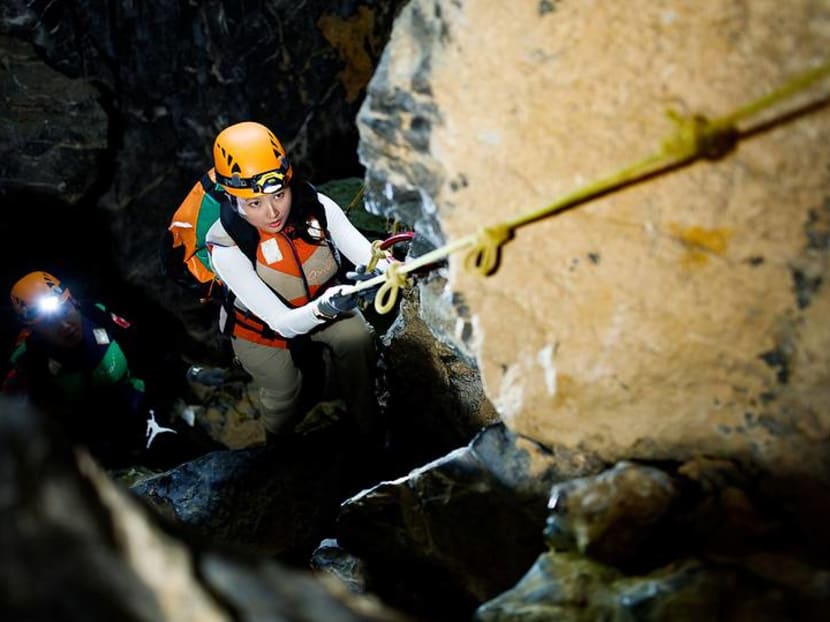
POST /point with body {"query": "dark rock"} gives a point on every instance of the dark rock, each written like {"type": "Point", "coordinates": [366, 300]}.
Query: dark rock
{"type": "Point", "coordinates": [53, 133]}
{"type": "Point", "coordinates": [569, 587]}
{"type": "Point", "coordinates": [330, 557]}
{"type": "Point", "coordinates": [559, 586]}
{"type": "Point", "coordinates": [617, 517]}
{"type": "Point", "coordinates": [76, 546]}
{"type": "Point", "coordinates": [432, 396]}
{"type": "Point", "coordinates": [278, 500]}
{"type": "Point", "coordinates": [460, 529]}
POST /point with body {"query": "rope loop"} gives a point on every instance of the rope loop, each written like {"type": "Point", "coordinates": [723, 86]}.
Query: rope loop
{"type": "Point", "coordinates": [377, 255]}
{"type": "Point", "coordinates": [484, 256]}
{"type": "Point", "coordinates": [698, 137]}
{"type": "Point", "coordinates": [387, 294]}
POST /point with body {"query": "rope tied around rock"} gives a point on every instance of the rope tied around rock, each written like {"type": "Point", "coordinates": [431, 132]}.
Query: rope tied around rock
{"type": "Point", "coordinates": [697, 137]}
{"type": "Point", "coordinates": [485, 255]}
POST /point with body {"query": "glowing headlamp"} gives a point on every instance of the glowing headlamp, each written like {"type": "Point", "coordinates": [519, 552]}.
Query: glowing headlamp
{"type": "Point", "coordinates": [49, 304]}
{"type": "Point", "coordinates": [45, 307]}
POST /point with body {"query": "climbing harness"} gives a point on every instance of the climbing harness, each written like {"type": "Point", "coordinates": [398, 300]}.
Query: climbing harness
{"type": "Point", "coordinates": [695, 137]}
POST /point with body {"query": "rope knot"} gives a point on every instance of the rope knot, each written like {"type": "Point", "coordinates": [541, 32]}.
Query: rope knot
{"type": "Point", "coordinates": [485, 254]}
{"type": "Point", "coordinates": [697, 137]}
{"type": "Point", "coordinates": [388, 292]}
{"type": "Point", "coordinates": [377, 255]}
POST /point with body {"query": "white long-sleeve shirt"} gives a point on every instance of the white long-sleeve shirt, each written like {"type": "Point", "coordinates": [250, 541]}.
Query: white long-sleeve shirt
{"type": "Point", "coordinates": [239, 274]}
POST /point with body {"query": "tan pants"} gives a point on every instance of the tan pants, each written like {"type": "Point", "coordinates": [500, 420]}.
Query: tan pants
{"type": "Point", "coordinates": [351, 341]}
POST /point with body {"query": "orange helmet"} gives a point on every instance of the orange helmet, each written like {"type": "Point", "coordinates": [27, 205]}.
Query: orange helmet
{"type": "Point", "coordinates": [249, 160]}
{"type": "Point", "coordinates": [37, 295]}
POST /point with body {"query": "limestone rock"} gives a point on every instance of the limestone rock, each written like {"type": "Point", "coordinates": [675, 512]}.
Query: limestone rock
{"type": "Point", "coordinates": [685, 314]}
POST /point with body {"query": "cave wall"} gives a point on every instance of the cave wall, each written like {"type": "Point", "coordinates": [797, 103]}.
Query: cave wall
{"type": "Point", "coordinates": [112, 108]}
{"type": "Point", "coordinates": [686, 314]}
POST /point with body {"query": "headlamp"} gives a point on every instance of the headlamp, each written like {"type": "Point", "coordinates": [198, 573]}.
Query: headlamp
{"type": "Point", "coordinates": [267, 182]}
{"type": "Point", "coordinates": [45, 307]}
{"type": "Point", "coordinates": [48, 304]}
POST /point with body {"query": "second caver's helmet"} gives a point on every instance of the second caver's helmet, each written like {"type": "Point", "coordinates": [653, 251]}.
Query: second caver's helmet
{"type": "Point", "coordinates": [38, 295]}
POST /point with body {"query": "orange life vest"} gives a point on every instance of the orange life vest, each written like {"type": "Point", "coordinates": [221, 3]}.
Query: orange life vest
{"type": "Point", "coordinates": [296, 270]}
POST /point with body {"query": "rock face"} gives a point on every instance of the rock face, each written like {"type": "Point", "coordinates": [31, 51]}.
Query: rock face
{"type": "Point", "coordinates": [76, 546]}
{"type": "Point", "coordinates": [277, 500]}
{"type": "Point", "coordinates": [676, 542]}
{"type": "Point", "coordinates": [685, 314]}
{"type": "Point", "coordinates": [50, 144]}
{"type": "Point", "coordinates": [432, 397]}
{"type": "Point", "coordinates": [435, 541]}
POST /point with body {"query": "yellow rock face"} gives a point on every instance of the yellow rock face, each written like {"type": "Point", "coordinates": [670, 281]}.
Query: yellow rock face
{"type": "Point", "coordinates": [687, 313]}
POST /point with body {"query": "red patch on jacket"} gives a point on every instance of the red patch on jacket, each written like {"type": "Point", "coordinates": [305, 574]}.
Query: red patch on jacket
{"type": "Point", "coordinates": [120, 321]}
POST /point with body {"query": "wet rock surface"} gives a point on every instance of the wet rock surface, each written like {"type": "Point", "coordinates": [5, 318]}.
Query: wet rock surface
{"type": "Point", "coordinates": [696, 541]}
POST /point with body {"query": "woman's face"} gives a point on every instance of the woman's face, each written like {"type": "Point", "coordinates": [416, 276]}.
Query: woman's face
{"type": "Point", "coordinates": [268, 212]}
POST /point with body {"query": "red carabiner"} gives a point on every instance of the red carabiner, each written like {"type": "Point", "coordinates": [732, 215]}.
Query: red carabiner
{"type": "Point", "coordinates": [404, 236]}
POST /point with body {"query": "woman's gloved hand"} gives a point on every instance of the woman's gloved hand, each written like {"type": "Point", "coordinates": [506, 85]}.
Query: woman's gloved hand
{"type": "Point", "coordinates": [360, 274]}
{"type": "Point", "coordinates": [334, 302]}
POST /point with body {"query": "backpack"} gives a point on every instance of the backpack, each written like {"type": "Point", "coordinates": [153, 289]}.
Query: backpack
{"type": "Point", "coordinates": [184, 253]}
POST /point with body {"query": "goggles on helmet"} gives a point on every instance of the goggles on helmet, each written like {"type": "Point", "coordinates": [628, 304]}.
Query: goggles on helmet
{"type": "Point", "coordinates": [268, 182]}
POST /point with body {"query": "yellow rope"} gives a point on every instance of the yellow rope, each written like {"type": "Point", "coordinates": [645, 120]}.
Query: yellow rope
{"type": "Point", "coordinates": [387, 296]}
{"type": "Point", "coordinates": [377, 255]}
{"type": "Point", "coordinates": [695, 137]}
{"type": "Point", "coordinates": [484, 256]}
{"type": "Point", "coordinates": [355, 198]}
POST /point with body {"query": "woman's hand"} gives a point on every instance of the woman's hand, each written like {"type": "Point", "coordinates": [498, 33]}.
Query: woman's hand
{"type": "Point", "coordinates": [334, 302]}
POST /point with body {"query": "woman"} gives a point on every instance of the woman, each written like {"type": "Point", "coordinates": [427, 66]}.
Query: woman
{"type": "Point", "coordinates": [277, 247]}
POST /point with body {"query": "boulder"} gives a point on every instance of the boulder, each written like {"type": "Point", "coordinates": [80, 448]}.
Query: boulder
{"type": "Point", "coordinates": [685, 314]}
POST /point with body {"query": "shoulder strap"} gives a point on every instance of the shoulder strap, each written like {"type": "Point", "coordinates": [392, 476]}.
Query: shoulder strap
{"type": "Point", "coordinates": [244, 234]}
{"type": "Point", "coordinates": [99, 314]}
